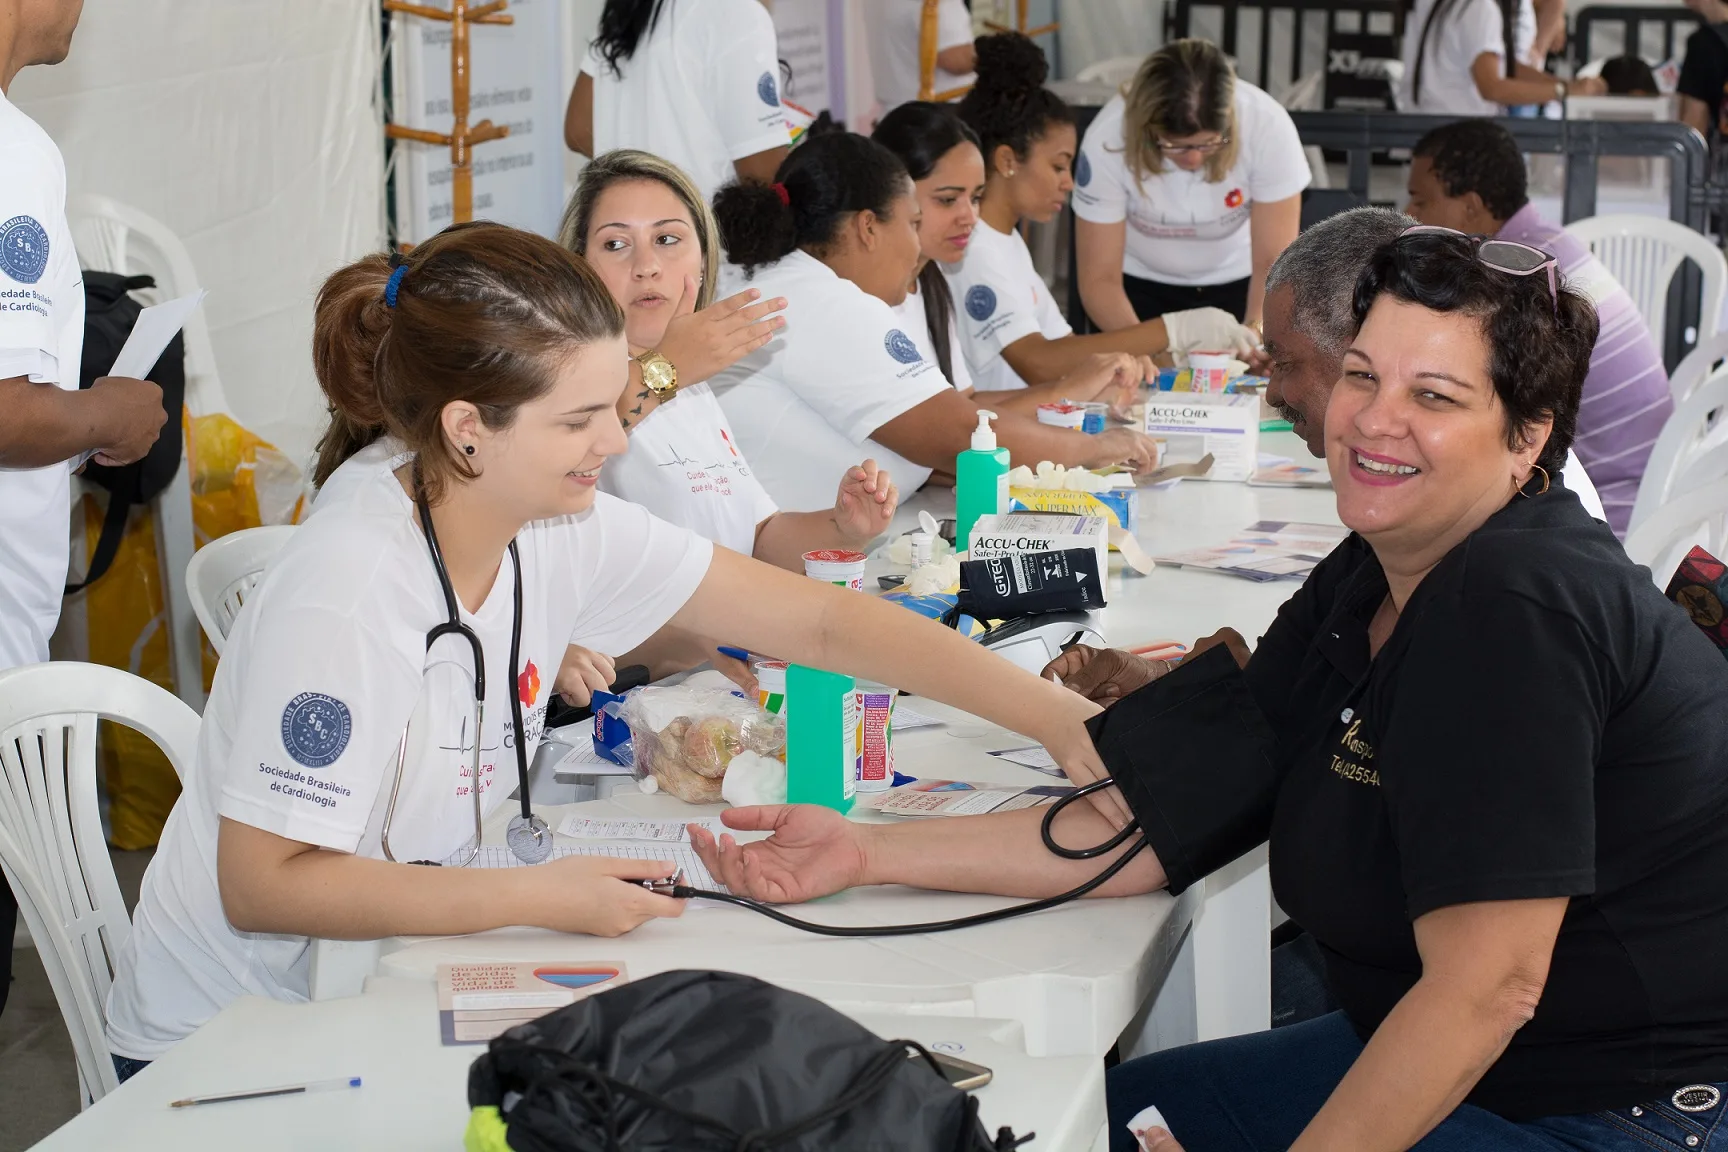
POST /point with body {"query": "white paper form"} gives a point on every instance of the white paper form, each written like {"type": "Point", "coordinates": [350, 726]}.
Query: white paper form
{"type": "Point", "coordinates": [149, 338]}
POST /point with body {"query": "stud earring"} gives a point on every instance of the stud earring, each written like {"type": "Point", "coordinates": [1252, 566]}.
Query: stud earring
{"type": "Point", "coordinates": [468, 448]}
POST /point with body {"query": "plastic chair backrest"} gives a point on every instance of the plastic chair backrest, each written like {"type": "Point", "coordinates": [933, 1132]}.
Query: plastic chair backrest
{"type": "Point", "coordinates": [117, 238]}
{"type": "Point", "coordinates": [1644, 253]}
{"type": "Point", "coordinates": [1691, 451]}
{"type": "Point", "coordinates": [1701, 362]}
{"type": "Point", "coordinates": [223, 573]}
{"type": "Point", "coordinates": [1696, 517]}
{"type": "Point", "coordinates": [53, 850]}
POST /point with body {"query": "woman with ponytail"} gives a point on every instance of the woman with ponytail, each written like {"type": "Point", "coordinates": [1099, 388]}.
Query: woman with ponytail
{"type": "Point", "coordinates": [472, 385]}
{"type": "Point", "coordinates": [1011, 328]}
{"type": "Point", "coordinates": [836, 234]}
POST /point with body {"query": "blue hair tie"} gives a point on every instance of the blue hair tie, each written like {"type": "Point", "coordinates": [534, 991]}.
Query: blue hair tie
{"type": "Point", "coordinates": [393, 285]}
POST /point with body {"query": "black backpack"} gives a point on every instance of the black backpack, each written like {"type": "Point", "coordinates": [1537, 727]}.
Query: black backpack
{"type": "Point", "coordinates": [717, 1062]}
{"type": "Point", "coordinates": [109, 314]}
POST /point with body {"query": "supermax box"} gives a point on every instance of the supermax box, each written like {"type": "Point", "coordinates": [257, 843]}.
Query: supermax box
{"type": "Point", "coordinates": [1120, 506]}
{"type": "Point", "coordinates": [1022, 533]}
{"type": "Point", "coordinates": [1192, 424]}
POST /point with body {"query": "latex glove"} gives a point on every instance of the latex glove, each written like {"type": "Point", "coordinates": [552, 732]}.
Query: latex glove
{"type": "Point", "coordinates": [866, 502]}
{"type": "Point", "coordinates": [1208, 330]}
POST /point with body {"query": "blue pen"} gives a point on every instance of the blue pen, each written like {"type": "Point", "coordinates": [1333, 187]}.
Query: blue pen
{"type": "Point", "coordinates": [736, 653]}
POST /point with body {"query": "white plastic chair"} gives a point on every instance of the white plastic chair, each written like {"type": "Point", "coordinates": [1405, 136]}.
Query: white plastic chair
{"type": "Point", "coordinates": [113, 237]}
{"type": "Point", "coordinates": [1644, 253]}
{"type": "Point", "coordinates": [51, 847]}
{"type": "Point", "coordinates": [223, 573]}
{"type": "Point", "coordinates": [1696, 517]}
{"type": "Point", "coordinates": [1700, 363]}
{"type": "Point", "coordinates": [1691, 451]}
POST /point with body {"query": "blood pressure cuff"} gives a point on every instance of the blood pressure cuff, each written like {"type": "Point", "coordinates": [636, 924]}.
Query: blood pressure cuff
{"type": "Point", "coordinates": [1194, 758]}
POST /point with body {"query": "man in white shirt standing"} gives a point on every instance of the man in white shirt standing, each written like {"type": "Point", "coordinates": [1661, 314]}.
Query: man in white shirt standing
{"type": "Point", "coordinates": [48, 426]}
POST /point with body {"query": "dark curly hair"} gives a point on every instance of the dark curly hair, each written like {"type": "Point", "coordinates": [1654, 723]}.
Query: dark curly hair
{"type": "Point", "coordinates": [826, 179]}
{"type": "Point", "coordinates": [1538, 347]}
{"type": "Point", "coordinates": [1009, 104]}
{"type": "Point", "coordinates": [1478, 156]}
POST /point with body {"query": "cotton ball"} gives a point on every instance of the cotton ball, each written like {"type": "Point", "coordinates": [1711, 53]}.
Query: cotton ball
{"type": "Point", "coordinates": [753, 779]}
{"type": "Point", "coordinates": [648, 785]}
{"type": "Point", "coordinates": [1046, 470]}
{"type": "Point", "coordinates": [1021, 477]}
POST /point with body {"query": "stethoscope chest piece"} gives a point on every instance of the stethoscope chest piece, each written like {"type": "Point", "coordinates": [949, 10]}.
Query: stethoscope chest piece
{"type": "Point", "coordinates": [529, 838]}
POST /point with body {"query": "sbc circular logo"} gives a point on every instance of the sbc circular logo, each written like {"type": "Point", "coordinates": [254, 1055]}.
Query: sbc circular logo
{"type": "Point", "coordinates": [980, 301]}
{"type": "Point", "coordinates": [768, 90]}
{"type": "Point", "coordinates": [315, 729]}
{"type": "Point", "coordinates": [23, 249]}
{"type": "Point", "coordinates": [900, 347]}
{"type": "Point", "coordinates": [1082, 170]}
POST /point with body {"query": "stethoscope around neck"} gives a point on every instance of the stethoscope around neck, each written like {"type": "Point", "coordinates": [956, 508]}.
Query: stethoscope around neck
{"type": "Point", "coordinates": [527, 834]}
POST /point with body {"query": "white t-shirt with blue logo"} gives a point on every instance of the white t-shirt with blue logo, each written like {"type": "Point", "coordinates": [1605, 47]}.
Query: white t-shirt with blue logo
{"type": "Point", "coordinates": [1000, 298]}
{"type": "Point", "coordinates": [806, 404]}
{"type": "Point", "coordinates": [1181, 227]}
{"type": "Point", "coordinates": [701, 90]}
{"type": "Point", "coordinates": [41, 338]}
{"type": "Point", "coordinates": [323, 671]}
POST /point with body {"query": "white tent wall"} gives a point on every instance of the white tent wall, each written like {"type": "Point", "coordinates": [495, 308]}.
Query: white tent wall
{"type": "Point", "coordinates": [250, 128]}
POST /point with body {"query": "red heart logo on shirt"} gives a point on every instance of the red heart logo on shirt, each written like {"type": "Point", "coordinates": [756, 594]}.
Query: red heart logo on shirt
{"type": "Point", "coordinates": [528, 685]}
{"type": "Point", "coordinates": [1233, 198]}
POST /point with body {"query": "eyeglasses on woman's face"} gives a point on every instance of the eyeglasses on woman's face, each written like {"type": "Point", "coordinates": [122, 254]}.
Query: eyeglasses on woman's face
{"type": "Point", "coordinates": [1201, 147]}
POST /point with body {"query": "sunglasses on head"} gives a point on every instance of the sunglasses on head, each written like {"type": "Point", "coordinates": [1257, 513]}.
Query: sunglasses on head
{"type": "Point", "coordinates": [1506, 256]}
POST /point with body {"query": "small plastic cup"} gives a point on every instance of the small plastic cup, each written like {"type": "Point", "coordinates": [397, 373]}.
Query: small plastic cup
{"type": "Point", "coordinates": [836, 566]}
{"type": "Point", "coordinates": [1097, 417]}
{"type": "Point", "coordinates": [1062, 415]}
{"type": "Point", "coordinates": [1210, 370]}
{"type": "Point", "coordinates": [771, 686]}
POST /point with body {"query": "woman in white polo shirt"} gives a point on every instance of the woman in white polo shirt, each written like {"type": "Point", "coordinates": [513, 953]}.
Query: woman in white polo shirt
{"type": "Point", "coordinates": [694, 81]}
{"type": "Point", "coordinates": [836, 234]}
{"type": "Point", "coordinates": [645, 229]}
{"type": "Point", "coordinates": [1187, 187]}
{"type": "Point", "coordinates": [943, 158]}
{"type": "Point", "coordinates": [1012, 331]}
{"type": "Point", "coordinates": [1455, 61]}
{"type": "Point", "coordinates": [461, 544]}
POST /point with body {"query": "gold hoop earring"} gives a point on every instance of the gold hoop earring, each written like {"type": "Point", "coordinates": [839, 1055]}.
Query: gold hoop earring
{"type": "Point", "coordinates": [1539, 491]}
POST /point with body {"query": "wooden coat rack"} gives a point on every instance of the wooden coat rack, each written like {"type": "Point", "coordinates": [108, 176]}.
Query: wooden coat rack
{"type": "Point", "coordinates": [462, 137]}
{"type": "Point", "coordinates": [929, 23]}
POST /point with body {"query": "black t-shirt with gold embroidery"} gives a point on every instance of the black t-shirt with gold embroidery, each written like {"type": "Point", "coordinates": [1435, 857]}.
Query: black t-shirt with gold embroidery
{"type": "Point", "coordinates": [1541, 722]}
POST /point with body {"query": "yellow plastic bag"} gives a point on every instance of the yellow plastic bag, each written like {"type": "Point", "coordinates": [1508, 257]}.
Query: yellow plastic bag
{"type": "Point", "coordinates": [238, 481]}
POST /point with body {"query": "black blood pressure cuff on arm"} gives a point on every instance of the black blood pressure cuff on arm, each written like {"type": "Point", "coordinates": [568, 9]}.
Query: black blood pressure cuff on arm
{"type": "Point", "coordinates": [1194, 758]}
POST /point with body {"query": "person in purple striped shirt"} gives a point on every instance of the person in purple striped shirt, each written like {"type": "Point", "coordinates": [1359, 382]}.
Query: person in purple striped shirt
{"type": "Point", "coordinates": [1469, 175]}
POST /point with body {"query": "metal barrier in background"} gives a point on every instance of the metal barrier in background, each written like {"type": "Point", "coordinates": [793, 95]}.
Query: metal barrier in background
{"type": "Point", "coordinates": [1275, 43]}
{"type": "Point", "coordinates": [1604, 30]}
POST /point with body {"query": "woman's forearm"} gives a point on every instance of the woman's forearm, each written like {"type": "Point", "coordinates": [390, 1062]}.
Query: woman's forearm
{"type": "Point", "coordinates": [340, 897]}
{"type": "Point", "coordinates": [783, 538]}
{"type": "Point", "coordinates": [1038, 360]}
{"type": "Point", "coordinates": [1003, 854]}
{"type": "Point", "coordinates": [1106, 302]}
{"type": "Point", "coordinates": [1422, 1061]}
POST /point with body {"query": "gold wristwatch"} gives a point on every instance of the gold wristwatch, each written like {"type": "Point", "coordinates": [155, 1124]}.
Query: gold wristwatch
{"type": "Point", "coordinates": [658, 375]}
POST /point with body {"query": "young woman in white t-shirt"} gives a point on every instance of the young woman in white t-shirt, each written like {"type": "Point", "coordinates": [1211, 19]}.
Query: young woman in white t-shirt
{"type": "Point", "coordinates": [942, 156]}
{"type": "Point", "coordinates": [1187, 187]}
{"type": "Point", "coordinates": [473, 388]}
{"type": "Point", "coordinates": [1013, 333]}
{"type": "Point", "coordinates": [694, 81]}
{"type": "Point", "coordinates": [837, 236]}
{"type": "Point", "coordinates": [1455, 61]}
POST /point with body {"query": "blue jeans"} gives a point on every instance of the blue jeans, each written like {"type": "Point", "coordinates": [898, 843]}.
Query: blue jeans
{"type": "Point", "coordinates": [125, 1067]}
{"type": "Point", "coordinates": [1256, 1093]}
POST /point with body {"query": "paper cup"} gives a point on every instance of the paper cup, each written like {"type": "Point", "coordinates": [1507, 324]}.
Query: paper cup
{"type": "Point", "coordinates": [836, 566]}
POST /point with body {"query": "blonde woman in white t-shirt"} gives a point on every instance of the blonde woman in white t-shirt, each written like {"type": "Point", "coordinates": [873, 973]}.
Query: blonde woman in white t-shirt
{"type": "Point", "coordinates": [1013, 333]}
{"type": "Point", "coordinates": [461, 542]}
{"type": "Point", "coordinates": [1187, 187]}
{"type": "Point", "coordinates": [694, 81]}
{"type": "Point", "coordinates": [642, 225]}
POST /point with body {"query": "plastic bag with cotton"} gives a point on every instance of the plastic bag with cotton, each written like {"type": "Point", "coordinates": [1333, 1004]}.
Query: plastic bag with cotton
{"type": "Point", "coordinates": [686, 737]}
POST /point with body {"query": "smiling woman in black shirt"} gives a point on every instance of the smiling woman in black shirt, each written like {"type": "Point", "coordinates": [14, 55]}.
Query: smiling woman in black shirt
{"type": "Point", "coordinates": [1490, 759]}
